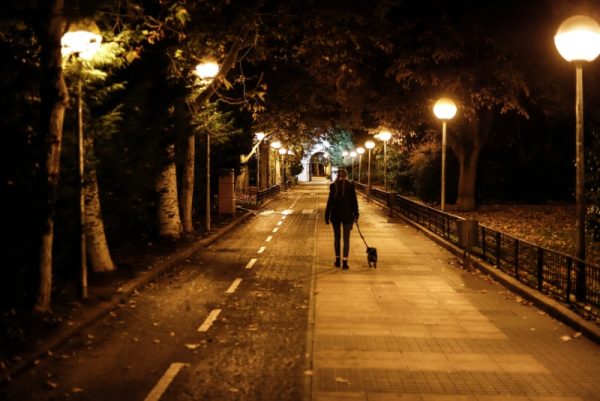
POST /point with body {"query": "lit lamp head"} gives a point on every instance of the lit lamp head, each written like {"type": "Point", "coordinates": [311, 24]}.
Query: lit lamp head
{"type": "Point", "coordinates": [207, 70]}
{"type": "Point", "coordinates": [289, 152]}
{"type": "Point", "coordinates": [444, 109]}
{"type": "Point", "coordinates": [83, 39]}
{"type": "Point", "coordinates": [260, 136]}
{"type": "Point", "coordinates": [360, 150]}
{"type": "Point", "coordinates": [578, 39]}
{"type": "Point", "coordinates": [384, 136]}
{"type": "Point", "coordinates": [344, 153]}
{"type": "Point", "coordinates": [283, 151]}
{"type": "Point", "coordinates": [353, 154]}
{"type": "Point", "coordinates": [369, 144]}
{"type": "Point", "coordinates": [276, 145]}
{"type": "Point", "coordinates": [326, 155]}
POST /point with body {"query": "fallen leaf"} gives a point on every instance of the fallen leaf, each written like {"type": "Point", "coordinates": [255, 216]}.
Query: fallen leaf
{"type": "Point", "coordinates": [77, 390]}
{"type": "Point", "coordinates": [308, 373]}
{"type": "Point", "coordinates": [50, 384]}
{"type": "Point", "coordinates": [192, 346]}
{"type": "Point", "coordinates": [577, 335]}
{"type": "Point", "coordinates": [156, 341]}
{"type": "Point", "coordinates": [342, 380]}
{"type": "Point", "coordinates": [566, 338]}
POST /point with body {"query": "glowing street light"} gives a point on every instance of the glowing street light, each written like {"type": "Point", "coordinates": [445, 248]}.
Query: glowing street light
{"type": "Point", "coordinates": [384, 136]}
{"type": "Point", "coordinates": [259, 137]}
{"type": "Point", "coordinates": [369, 145]}
{"type": "Point", "coordinates": [360, 150]}
{"type": "Point", "coordinates": [82, 40]}
{"type": "Point", "coordinates": [578, 40]}
{"type": "Point", "coordinates": [444, 109]}
{"type": "Point", "coordinates": [206, 71]}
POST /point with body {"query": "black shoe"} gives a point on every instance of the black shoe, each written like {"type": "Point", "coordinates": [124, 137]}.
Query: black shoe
{"type": "Point", "coordinates": [345, 265]}
{"type": "Point", "coordinates": [337, 262]}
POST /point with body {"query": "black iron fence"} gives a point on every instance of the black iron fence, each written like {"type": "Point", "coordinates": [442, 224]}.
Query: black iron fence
{"type": "Point", "coordinates": [556, 274]}
{"type": "Point", "coordinates": [252, 197]}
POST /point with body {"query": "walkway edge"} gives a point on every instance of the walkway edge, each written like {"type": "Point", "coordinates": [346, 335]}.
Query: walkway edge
{"type": "Point", "coordinates": [553, 308]}
{"type": "Point", "coordinates": [556, 309]}
{"type": "Point", "coordinates": [102, 309]}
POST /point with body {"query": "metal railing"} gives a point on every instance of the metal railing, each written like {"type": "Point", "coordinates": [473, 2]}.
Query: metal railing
{"type": "Point", "coordinates": [252, 197]}
{"type": "Point", "coordinates": [556, 274]}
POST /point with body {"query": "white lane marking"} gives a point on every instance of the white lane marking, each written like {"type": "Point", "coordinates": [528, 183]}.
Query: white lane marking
{"type": "Point", "coordinates": [164, 381]}
{"type": "Point", "coordinates": [269, 238]}
{"type": "Point", "coordinates": [275, 229]}
{"type": "Point", "coordinates": [307, 211]}
{"type": "Point", "coordinates": [279, 223]}
{"type": "Point", "coordinates": [210, 319]}
{"type": "Point", "coordinates": [262, 249]}
{"type": "Point", "coordinates": [233, 286]}
{"type": "Point", "coordinates": [251, 263]}
{"type": "Point", "coordinates": [287, 211]}
{"type": "Point", "coordinates": [283, 217]}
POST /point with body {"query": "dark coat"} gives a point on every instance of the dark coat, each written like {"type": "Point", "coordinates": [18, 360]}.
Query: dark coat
{"type": "Point", "coordinates": [342, 205]}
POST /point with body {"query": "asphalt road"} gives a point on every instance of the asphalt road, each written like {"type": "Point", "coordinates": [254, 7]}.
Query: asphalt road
{"type": "Point", "coordinates": [230, 323]}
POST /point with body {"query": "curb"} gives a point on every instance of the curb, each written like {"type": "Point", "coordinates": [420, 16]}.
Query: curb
{"type": "Point", "coordinates": [125, 292]}
{"type": "Point", "coordinates": [554, 308]}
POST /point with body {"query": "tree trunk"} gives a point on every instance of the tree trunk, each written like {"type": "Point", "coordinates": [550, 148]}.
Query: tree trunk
{"type": "Point", "coordinates": [187, 188]}
{"type": "Point", "coordinates": [169, 221]}
{"type": "Point", "coordinates": [96, 245]}
{"type": "Point", "coordinates": [54, 102]}
{"type": "Point", "coordinates": [466, 180]}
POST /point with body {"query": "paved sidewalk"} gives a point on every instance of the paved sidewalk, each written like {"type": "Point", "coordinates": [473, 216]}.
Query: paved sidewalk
{"type": "Point", "coordinates": [421, 328]}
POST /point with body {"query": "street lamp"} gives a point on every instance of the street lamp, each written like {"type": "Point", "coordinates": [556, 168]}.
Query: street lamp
{"type": "Point", "coordinates": [283, 152]}
{"type": "Point", "coordinates": [352, 156]}
{"type": "Point", "coordinates": [444, 109]}
{"type": "Point", "coordinates": [384, 136]}
{"type": "Point", "coordinates": [275, 146]}
{"type": "Point", "coordinates": [259, 137]}
{"type": "Point", "coordinates": [578, 40]}
{"type": "Point", "coordinates": [369, 145]}
{"type": "Point", "coordinates": [82, 40]}
{"type": "Point", "coordinates": [360, 150]}
{"type": "Point", "coordinates": [206, 71]}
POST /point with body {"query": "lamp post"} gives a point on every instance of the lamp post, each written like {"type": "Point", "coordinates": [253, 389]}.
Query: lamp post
{"type": "Point", "coordinates": [352, 157]}
{"type": "Point", "coordinates": [82, 41]}
{"type": "Point", "coordinates": [344, 155]}
{"type": "Point", "coordinates": [283, 152]}
{"type": "Point", "coordinates": [360, 150]}
{"type": "Point", "coordinates": [259, 137]}
{"type": "Point", "coordinates": [444, 109]}
{"type": "Point", "coordinates": [275, 146]}
{"type": "Point", "coordinates": [206, 71]}
{"type": "Point", "coordinates": [384, 136]}
{"type": "Point", "coordinates": [578, 40]}
{"type": "Point", "coordinates": [369, 145]}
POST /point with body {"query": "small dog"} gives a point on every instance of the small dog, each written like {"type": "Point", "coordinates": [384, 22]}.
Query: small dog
{"type": "Point", "coordinates": [372, 257]}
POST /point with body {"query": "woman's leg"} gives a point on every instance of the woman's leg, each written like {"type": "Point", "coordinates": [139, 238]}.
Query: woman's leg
{"type": "Point", "coordinates": [347, 229]}
{"type": "Point", "coordinates": [336, 240]}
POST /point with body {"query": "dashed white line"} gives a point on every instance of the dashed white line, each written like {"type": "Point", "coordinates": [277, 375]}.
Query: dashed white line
{"type": "Point", "coordinates": [210, 319]}
{"type": "Point", "coordinates": [275, 229]}
{"type": "Point", "coordinates": [269, 238]}
{"type": "Point", "coordinates": [261, 249]}
{"type": "Point", "coordinates": [279, 223]}
{"type": "Point", "coordinates": [251, 263]}
{"type": "Point", "coordinates": [233, 286]}
{"type": "Point", "coordinates": [164, 381]}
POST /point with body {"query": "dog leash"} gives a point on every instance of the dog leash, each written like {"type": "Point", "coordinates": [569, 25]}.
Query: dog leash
{"type": "Point", "coordinates": [361, 235]}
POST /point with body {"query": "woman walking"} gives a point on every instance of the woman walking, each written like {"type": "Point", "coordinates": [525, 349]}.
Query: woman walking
{"type": "Point", "coordinates": [342, 212]}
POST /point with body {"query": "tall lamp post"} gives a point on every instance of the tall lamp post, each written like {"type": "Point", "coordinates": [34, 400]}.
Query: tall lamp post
{"type": "Point", "coordinates": [344, 155]}
{"type": "Point", "coordinates": [82, 41]}
{"type": "Point", "coordinates": [259, 137]}
{"type": "Point", "coordinates": [578, 41]}
{"type": "Point", "coordinates": [283, 152]}
{"type": "Point", "coordinates": [369, 145]}
{"type": "Point", "coordinates": [444, 109]}
{"type": "Point", "coordinates": [206, 71]}
{"type": "Point", "coordinates": [360, 150]}
{"type": "Point", "coordinates": [275, 145]}
{"type": "Point", "coordinates": [384, 136]}
{"type": "Point", "coordinates": [352, 157]}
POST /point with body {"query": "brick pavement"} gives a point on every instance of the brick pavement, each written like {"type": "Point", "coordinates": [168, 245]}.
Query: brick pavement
{"type": "Point", "coordinates": [419, 327]}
